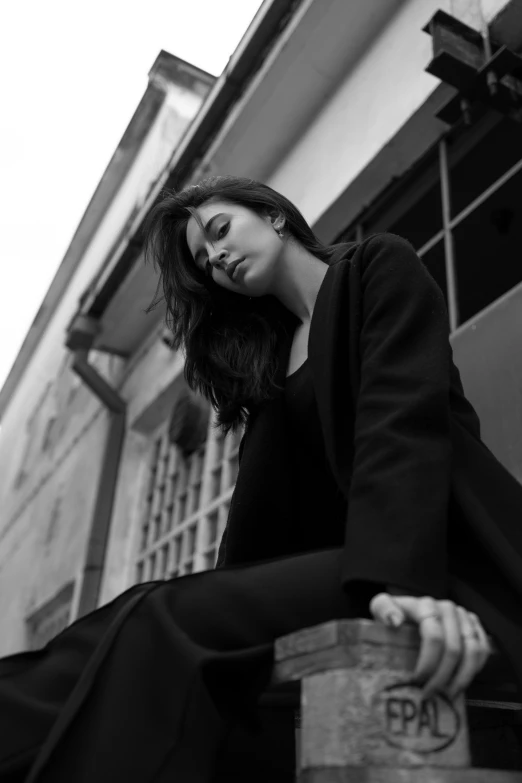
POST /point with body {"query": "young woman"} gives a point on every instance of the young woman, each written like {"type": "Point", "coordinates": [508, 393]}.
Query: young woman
{"type": "Point", "coordinates": [364, 490]}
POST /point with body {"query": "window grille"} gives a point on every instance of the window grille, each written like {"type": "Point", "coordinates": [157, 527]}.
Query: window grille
{"type": "Point", "coordinates": [50, 619]}
{"type": "Point", "coordinates": [186, 505]}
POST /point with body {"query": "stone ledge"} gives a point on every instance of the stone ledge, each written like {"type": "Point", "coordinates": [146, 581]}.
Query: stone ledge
{"type": "Point", "coordinates": [345, 632]}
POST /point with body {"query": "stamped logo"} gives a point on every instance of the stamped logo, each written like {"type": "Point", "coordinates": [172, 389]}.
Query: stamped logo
{"type": "Point", "coordinates": [412, 723]}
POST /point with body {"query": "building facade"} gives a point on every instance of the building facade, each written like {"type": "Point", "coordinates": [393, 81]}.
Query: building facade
{"type": "Point", "coordinates": [377, 116]}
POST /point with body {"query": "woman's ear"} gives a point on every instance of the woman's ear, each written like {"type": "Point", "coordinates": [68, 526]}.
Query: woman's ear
{"type": "Point", "coordinates": [276, 218]}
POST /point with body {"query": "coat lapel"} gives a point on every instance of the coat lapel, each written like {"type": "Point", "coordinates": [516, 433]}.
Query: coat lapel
{"type": "Point", "coordinates": [333, 354]}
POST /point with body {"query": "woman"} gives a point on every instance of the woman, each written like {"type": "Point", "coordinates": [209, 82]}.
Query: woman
{"type": "Point", "coordinates": [358, 495]}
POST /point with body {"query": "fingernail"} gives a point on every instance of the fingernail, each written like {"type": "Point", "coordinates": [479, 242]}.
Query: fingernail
{"type": "Point", "coordinates": [395, 620]}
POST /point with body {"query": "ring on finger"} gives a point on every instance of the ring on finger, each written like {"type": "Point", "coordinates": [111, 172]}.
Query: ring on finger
{"type": "Point", "coordinates": [480, 634]}
{"type": "Point", "coordinates": [472, 634]}
{"type": "Point", "coordinates": [434, 615]}
{"type": "Point", "coordinates": [469, 628]}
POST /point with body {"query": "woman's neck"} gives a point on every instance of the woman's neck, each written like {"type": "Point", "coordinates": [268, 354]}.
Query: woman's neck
{"type": "Point", "coordinates": [299, 279]}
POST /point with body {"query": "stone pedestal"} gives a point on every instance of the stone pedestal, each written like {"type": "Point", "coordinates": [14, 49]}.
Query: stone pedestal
{"type": "Point", "coordinates": [362, 720]}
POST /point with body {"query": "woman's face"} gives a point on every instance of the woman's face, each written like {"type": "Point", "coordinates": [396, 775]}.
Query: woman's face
{"type": "Point", "coordinates": [236, 233]}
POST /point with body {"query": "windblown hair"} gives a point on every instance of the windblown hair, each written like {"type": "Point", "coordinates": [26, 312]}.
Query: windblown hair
{"type": "Point", "coordinates": [230, 341]}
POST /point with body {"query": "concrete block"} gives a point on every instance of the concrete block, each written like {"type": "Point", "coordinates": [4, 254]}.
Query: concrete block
{"type": "Point", "coordinates": [361, 717]}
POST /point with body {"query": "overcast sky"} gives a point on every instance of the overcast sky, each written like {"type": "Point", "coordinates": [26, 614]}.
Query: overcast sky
{"type": "Point", "coordinates": [71, 76]}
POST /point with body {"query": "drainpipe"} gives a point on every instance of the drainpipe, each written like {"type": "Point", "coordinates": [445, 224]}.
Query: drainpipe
{"type": "Point", "coordinates": [80, 337]}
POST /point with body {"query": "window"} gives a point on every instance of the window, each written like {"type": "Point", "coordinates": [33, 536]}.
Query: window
{"type": "Point", "coordinates": [186, 505]}
{"type": "Point", "coordinates": [473, 176]}
{"type": "Point", "coordinates": [412, 206]}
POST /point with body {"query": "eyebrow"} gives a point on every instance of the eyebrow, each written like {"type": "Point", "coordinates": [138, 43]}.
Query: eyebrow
{"type": "Point", "coordinates": [207, 228]}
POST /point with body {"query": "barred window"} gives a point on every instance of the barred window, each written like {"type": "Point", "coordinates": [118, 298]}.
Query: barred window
{"type": "Point", "coordinates": [186, 505]}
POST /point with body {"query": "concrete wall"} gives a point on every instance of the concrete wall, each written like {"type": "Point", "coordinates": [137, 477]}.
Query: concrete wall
{"type": "Point", "coordinates": [45, 537]}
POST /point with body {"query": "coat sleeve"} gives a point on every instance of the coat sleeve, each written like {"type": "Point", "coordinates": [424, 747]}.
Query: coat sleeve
{"type": "Point", "coordinates": [398, 497]}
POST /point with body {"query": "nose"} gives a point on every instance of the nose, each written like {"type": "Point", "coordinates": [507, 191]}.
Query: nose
{"type": "Point", "coordinates": [218, 259]}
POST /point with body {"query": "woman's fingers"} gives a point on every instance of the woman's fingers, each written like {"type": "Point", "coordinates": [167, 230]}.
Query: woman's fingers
{"type": "Point", "coordinates": [453, 647]}
{"type": "Point", "coordinates": [485, 644]}
{"type": "Point", "coordinates": [477, 651]}
{"type": "Point", "coordinates": [425, 613]}
{"type": "Point", "coordinates": [386, 610]}
{"type": "Point", "coordinates": [422, 611]}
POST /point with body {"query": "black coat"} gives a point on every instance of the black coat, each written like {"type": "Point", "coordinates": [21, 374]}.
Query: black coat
{"type": "Point", "coordinates": [430, 508]}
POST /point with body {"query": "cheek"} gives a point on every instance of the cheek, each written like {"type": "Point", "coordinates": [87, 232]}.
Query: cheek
{"type": "Point", "coordinates": [252, 237]}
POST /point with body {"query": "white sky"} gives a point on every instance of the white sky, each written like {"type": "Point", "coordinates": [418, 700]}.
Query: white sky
{"type": "Point", "coordinates": [71, 76]}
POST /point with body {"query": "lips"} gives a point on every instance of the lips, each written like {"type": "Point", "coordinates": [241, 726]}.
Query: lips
{"type": "Point", "coordinates": [231, 268]}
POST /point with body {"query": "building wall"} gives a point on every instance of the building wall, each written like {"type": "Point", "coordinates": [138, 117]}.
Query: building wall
{"type": "Point", "coordinates": [44, 539]}
{"type": "Point", "coordinates": [47, 493]}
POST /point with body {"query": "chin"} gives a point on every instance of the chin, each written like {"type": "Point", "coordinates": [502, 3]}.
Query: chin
{"type": "Point", "coordinates": [253, 284]}
{"type": "Point", "coordinates": [254, 290]}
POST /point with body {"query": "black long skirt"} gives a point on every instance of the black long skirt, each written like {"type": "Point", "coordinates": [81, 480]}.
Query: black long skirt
{"type": "Point", "coordinates": [161, 684]}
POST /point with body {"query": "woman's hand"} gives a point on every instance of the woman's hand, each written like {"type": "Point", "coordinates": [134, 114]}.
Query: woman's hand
{"type": "Point", "coordinates": [454, 645]}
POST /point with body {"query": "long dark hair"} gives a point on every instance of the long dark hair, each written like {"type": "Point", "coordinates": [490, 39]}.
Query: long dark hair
{"type": "Point", "coordinates": [230, 341]}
